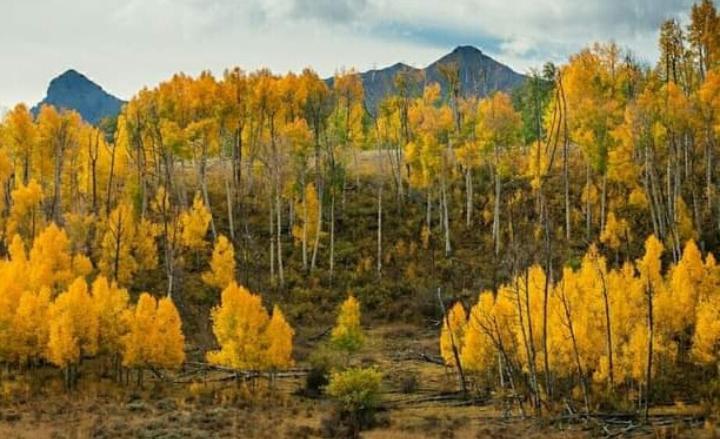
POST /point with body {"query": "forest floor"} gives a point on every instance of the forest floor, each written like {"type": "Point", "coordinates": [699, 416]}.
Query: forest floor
{"type": "Point", "coordinates": [419, 400]}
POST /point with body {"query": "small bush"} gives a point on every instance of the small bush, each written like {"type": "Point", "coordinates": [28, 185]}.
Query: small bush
{"type": "Point", "coordinates": [315, 381]}
{"type": "Point", "coordinates": [408, 383]}
{"type": "Point", "coordinates": [357, 393]}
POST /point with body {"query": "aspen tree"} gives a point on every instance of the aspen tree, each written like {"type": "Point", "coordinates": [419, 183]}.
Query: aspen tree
{"type": "Point", "coordinates": [347, 335]}
{"type": "Point", "coordinates": [280, 341]}
{"type": "Point", "coordinates": [222, 264]}
{"type": "Point", "coordinates": [73, 329]}
{"type": "Point", "coordinates": [168, 343]}
{"type": "Point", "coordinates": [110, 304]}
{"type": "Point", "coordinates": [194, 223]}
{"type": "Point", "coordinates": [453, 333]}
{"type": "Point", "coordinates": [239, 327]}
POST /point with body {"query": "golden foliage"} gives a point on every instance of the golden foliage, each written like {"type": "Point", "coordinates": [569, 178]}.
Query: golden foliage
{"type": "Point", "coordinates": [222, 264]}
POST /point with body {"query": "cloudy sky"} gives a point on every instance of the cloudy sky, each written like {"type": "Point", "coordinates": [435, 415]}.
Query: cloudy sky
{"type": "Point", "coordinates": [126, 44]}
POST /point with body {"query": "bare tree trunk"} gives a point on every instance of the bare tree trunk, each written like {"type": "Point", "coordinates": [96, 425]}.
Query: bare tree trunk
{"type": "Point", "coordinates": [58, 171]}
{"type": "Point", "coordinates": [608, 331]}
{"type": "Point", "coordinates": [272, 242]}
{"type": "Point", "coordinates": [229, 200]}
{"type": "Point", "coordinates": [93, 153]}
{"type": "Point", "coordinates": [588, 205]}
{"type": "Point", "coordinates": [332, 231]}
{"type": "Point", "coordinates": [529, 345]}
{"type": "Point", "coordinates": [469, 195]}
{"type": "Point", "coordinates": [169, 253]}
{"type": "Point", "coordinates": [278, 210]}
{"type": "Point", "coordinates": [603, 202]}
{"type": "Point", "coordinates": [305, 228]}
{"type": "Point", "coordinates": [708, 174]}
{"type": "Point", "coordinates": [446, 220]}
{"type": "Point", "coordinates": [566, 152]}
{"type": "Point", "coordinates": [649, 363]}
{"type": "Point", "coordinates": [316, 244]}
{"type": "Point", "coordinates": [496, 214]}
{"type": "Point", "coordinates": [379, 232]}
{"type": "Point", "coordinates": [202, 172]}
{"type": "Point", "coordinates": [546, 292]}
{"type": "Point", "coordinates": [428, 210]}
{"type": "Point", "coordinates": [118, 242]}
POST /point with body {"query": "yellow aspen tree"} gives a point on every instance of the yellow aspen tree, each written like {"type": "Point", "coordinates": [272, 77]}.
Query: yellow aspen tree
{"type": "Point", "coordinates": [73, 329]}
{"type": "Point", "coordinates": [649, 267]}
{"type": "Point", "coordinates": [24, 218]}
{"type": "Point", "coordinates": [239, 327]}
{"type": "Point", "coordinates": [706, 340]}
{"type": "Point", "coordinates": [81, 265]}
{"type": "Point", "coordinates": [307, 210]}
{"type": "Point", "coordinates": [684, 220]}
{"type": "Point", "coordinates": [6, 171]}
{"type": "Point", "coordinates": [110, 303]}
{"type": "Point", "coordinates": [116, 258]}
{"type": "Point", "coordinates": [478, 350]}
{"type": "Point", "coordinates": [628, 307]}
{"type": "Point", "coordinates": [280, 341]}
{"type": "Point", "coordinates": [591, 309]}
{"type": "Point", "coordinates": [531, 288]}
{"type": "Point", "coordinates": [22, 139]}
{"type": "Point", "coordinates": [568, 328]}
{"type": "Point", "coordinates": [168, 343]}
{"type": "Point", "coordinates": [616, 231]}
{"type": "Point", "coordinates": [563, 323]}
{"type": "Point", "coordinates": [452, 335]}
{"type": "Point", "coordinates": [13, 282]}
{"type": "Point", "coordinates": [710, 285]}
{"type": "Point", "coordinates": [30, 327]}
{"type": "Point", "coordinates": [497, 130]}
{"type": "Point", "coordinates": [347, 335]}
{"type": "Point", "coordinates": [144, 245]}
{"type": "Point", "coordinates": [63, 349]}
{"type": "Point", "coordinates": [194, 223]}
{"type": "Point", "coordinates": [50, 261]}
{"type": "Point", "coordinates": [222, 264]}
{"type": "Point", "coordinates": [77, 226]}
{"type": "Point", "coordinates": [137, 343]}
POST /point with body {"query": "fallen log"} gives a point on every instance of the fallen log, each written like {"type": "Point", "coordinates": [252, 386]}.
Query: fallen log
{"type": "Point", "coordinates": [430, 358]}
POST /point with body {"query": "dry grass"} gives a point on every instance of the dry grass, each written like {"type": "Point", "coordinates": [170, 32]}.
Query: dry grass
{"type": "Point", "coordinates": [102, 409]}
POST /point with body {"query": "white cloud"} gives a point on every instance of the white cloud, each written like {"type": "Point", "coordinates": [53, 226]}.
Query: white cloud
{"type": "Point", "coordinates": [126, 44]}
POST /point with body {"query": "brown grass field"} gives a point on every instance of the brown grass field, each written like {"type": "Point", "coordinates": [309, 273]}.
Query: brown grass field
{"type": "Point", "coordinates": [208, 405]}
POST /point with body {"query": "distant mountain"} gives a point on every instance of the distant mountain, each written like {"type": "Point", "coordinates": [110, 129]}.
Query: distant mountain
{"type": "Point", "coordinates": [479, 76]}
{"type": "Point", "coordinates": [73, 90]}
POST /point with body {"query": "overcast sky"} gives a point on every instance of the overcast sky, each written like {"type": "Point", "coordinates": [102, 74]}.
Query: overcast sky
{"type": "Point", "coordinates": [126, 44]}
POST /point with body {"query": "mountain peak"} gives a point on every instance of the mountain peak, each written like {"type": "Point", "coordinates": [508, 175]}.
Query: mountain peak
{"type": "Point", "coordinates": [73, 90]}
{"type": "Point", "coordinates": [71, 73]}
{"type": "Point", "coordinates": [467, 50]}
{"type": "Point", "coordinates": [480, 75]}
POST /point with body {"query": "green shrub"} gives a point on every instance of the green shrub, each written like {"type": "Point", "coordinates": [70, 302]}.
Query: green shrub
{"type": "Point", "coordinates": [357, 393]}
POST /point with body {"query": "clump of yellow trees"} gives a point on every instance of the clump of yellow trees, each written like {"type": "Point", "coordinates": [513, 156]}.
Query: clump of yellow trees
{"type": "Point", "coordinates": [595, 329]}
{"type": "Point", "coordinates": [248, 336]}
{"type": "Point", "coordinates": [48, 312]}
